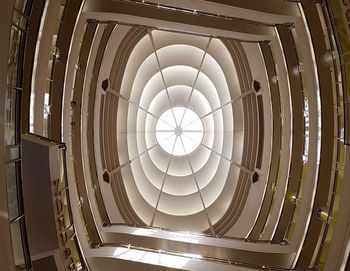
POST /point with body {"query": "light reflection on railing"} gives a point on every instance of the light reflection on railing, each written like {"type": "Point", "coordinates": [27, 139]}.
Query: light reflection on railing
{"type": "Point", "coordinates": [189, 233]}
{"type": "Point", "coordinates": [296, 198]}
{"type": "Point", "coordinates": [131, 252]}
{"type": "Point", "coordinates": [87, 228]}
{"type": "Point", "coordinates": [53, 57]}
{"type": "Point", "coordinates": [282, 141]}
{"type": "Point", "coordinates": [342, 46]}
{"type": "Point", "coordinates": [69, 242]}
{"type": "Point", "coordinates": [328, 214]}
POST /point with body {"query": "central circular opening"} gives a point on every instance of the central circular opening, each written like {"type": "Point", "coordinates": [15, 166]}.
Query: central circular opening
{"type": "Point", "coordinates": [179, 131]}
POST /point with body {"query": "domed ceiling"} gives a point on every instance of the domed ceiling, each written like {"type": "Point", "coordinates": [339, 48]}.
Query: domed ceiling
{"type": "Point", "coordinates": [173, 141]}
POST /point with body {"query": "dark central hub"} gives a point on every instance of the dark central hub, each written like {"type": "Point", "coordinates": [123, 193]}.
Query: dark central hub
{"type": "Point", "coordinates": [178, 130]}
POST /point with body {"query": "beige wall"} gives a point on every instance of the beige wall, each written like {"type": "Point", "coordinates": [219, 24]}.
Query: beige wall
{"type": "Point", "coordinates": [6, 255]}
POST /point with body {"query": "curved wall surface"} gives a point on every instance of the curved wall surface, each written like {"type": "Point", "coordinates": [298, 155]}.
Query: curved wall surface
{"type": "Point", "coordinates": [192, 135]}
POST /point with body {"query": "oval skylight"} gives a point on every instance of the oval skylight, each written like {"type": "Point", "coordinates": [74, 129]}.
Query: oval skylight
{"type": "Point", "coordinates": [179, 131]}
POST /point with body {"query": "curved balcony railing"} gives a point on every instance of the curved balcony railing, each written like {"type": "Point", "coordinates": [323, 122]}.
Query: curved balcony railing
{"type": "Point", "coordinates": [18, 36]}
{"type": "Point", "coordinates": [248, 240]}
{"type": "Point", "coordinates": [69, 242]}
{"type": "Point", "coordinates": [342, 46]}
{"type": "Point", "coordinates": [54, 56]}
{"type": "Point", "coordinates": [269, 57]}
{"type": "Point", "coordinates": [18, 39]}
{"type": "Point", "coordinates": [289, 214]}
{"type": "Point", "coordinates": [296, 197]}
{"type": "Point", "coordinates": [85, 211]}
{"type": "Point", "coordinates": [328, 214]}
{"type": "Point", "coordinates": [232, 263]}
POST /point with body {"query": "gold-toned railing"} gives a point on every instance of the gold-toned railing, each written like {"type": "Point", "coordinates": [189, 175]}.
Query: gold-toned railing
{"type": "Point", "coordinates": [342, 46]}
{"type": "Point", "coordinates": [68, 239]}
{"type": "Point", "coordinates": [340, 70]}
{"type": "Point", "coordinates": [131, 248]}
{"type": "Point", "coordinates": [296, 197]}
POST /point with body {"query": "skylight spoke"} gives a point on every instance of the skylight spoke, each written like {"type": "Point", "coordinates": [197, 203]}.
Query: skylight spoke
{"type": "Point", "coordinates": [183, 145]}
{"type": "Point", "coordinates": [165, 136]}
{"type": "Point", "coordinates": [195, 80]}
{"type": "Point", "coordinates": [172, 150]}
{"type": "Point", "coordinates": [193, 137]}
{"type": "Point", "coordinates": [161, 190]}
{"type": "Point", "coordinates": [163, 182]}
{"type": "Point", "coordinates": [179, 149]}
{"type": "Point", "coordinates": [165, 131]}
{"type": "Point", "coordinates": [243, 168]}
{"type": "Point", "coordinates": [138, 106]}
{"type": "Point", "coordinates": [161, 73]}
{"type": "Point", "coordinates": [245, 94]}
{"type": "Point", "coordinates": [192, 131]}
{"type": "Point", "coordinates": [178, 111]}
{"type": "Point", "coordinates": [166, 139]}
{"type": "Point", "coordinates": [201, 196]}
{"type": "Point", "coordinates": [115, 170]}
{"type": "Point", "coordinates": [172, 131]}
{"type": "Point", "coordinates": [165, 126]}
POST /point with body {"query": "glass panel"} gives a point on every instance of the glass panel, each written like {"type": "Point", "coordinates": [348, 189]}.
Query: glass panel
{"type": "Point", "coordinates": [12, 152]}
{"type": "Point", "coordinates": [20, 4]}
{"type": "Point", "coordinates": [67, 219]}
{"type": "Point", "coordinates": [15, 38]}
{"type": "Point", "coordinates": [12, 197]}
{"type": "Point", "coordinates": [290, 230]}
{"type": "Point", "coordinates": [73, 246]}
{"type": "Point", "coordinates": [17, 245]}
{"type": "Point", "coordinates": [47, 113]}
{"type": "Point", "coordinates": [61, 161]}
{"type": "Point", "coordinates": [344, 49]}
{"type": "Point", "coordinates": [85, 227]}
{"type": "Point", "coordinates": [19, 20]}
{"type": "Point", "coordinates": [10, 116]}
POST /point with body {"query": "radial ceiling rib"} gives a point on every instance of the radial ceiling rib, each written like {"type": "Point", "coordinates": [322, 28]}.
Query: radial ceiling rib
{"type": "Point", "coordinates": [116, 93]}
{"type": "Point", "coordinates": [199, 190]}
{"type": "Point", "coordinates": [115, 170]}
{"type": "Point", "coordinates": [163, 182]}
{"type": "Point", "coordinates": [246, 170]}
{"type": "Point", "coordinates": [245, 94]}
{"type": "Point", "coordinates": [195, 80]}
{"type": "Point", "coordinates": [161, 73]}
{"type": "Point", "coordinates": [190, 138]}
{"type": "Point", "coordinates": [183, 130]}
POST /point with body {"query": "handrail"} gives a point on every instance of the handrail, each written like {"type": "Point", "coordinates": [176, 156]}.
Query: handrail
{"type": "Point", "coordinates": [71, 248]}
{"type": "Point", "coordinates": [342, 45]}
{"type": "Point", "coordinates": [197, 257]}
{"type": "Point", "coordinates": [17, 225]}
{"type": "Point", "coordinates": [195, 12]}
{"type": "Point", "coordinates": [330, 212]}
{"type": "Point", "coordinates": [46, 139]}
{"type": "Point", "coordinates": [296, 163]}
{"type": "Point", "coordinates": [248, 240]}
{"type": "Point", "coordinates": [55, 57]}
{"type": "Point", "coordinates": [270, 195]}
{"type": "Point", "coordinates": [90, 228]}
{"type": "Point", "coordinates": [296, 198]}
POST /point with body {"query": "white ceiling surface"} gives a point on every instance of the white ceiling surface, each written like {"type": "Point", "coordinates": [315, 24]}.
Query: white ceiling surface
{"type": "Point", "coordinates": [179, 70]}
